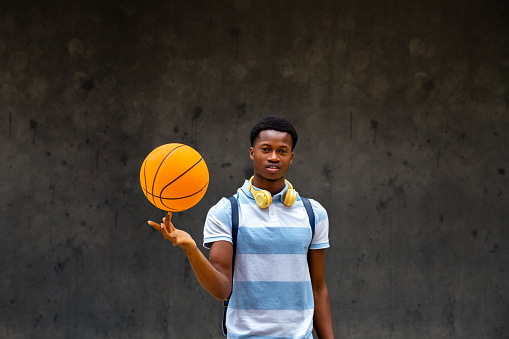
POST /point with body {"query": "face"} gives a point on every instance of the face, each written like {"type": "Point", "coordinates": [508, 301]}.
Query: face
{"type": "Point", "coordinates": [272, 155]}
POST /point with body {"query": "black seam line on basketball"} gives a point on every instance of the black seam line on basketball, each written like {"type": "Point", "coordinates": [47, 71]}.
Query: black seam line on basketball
{"type": "Point", "coordinates": [159, 197]}
{"type": "Point", "coordinates": [187, 196]}
{"type": "Point", "coordinates": [170, 209]}
{"type": "Point", "coordinates": [190, 168]}
{"type": "Point", "coordinates": [145, 174]}
{"type": "Point", "coordinates": [155, 176]}
{"type": "Point", "coordinates": [201, 189]}
{"type": "Point", "coordinates": [162, 198]}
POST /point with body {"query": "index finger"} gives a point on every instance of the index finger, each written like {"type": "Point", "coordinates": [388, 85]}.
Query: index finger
{"type": "Point", "coordinates": [155, 225]}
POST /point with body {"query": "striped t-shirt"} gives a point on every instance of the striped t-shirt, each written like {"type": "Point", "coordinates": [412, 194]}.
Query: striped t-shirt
{"type": "Point", "coordinates": [272, 295]}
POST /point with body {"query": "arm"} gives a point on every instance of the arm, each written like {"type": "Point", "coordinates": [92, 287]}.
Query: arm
{"type": "Point", "coordinates": [214, 275]}
{"type": "Point", "coordinates": [322, 319]}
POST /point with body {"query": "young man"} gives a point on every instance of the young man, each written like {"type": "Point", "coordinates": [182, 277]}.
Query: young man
{"type": "Point", "coordinates": [279, 288]}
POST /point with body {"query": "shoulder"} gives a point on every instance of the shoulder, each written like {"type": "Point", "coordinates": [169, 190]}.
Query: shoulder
{"type": "Point", "coordinates": [218, 224]}
{"type": "Point", "coordinates": [321, 238]}
{"type": "Point", "coordinates": [319, 210]}
{"type": "Point", "coordinates": [222, 211]}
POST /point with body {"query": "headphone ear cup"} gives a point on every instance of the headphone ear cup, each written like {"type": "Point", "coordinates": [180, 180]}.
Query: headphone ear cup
{"type": "Point", "coordinates": [290, 197]}
{"type": "Point", "coordinates": [263, 199]}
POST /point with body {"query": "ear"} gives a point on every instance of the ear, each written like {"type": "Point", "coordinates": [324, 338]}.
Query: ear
{"type": "Point", "coordinates": [251, 153]}
{"type": "Point", "coordinates": [291, 158]}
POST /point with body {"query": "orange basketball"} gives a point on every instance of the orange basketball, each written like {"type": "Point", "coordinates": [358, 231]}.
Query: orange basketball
{"type": "Point", "coordinates": [174, 177]}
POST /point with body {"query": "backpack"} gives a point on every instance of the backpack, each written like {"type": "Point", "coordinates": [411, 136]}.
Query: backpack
{"type": "Point", "coordinates": [235, 229]}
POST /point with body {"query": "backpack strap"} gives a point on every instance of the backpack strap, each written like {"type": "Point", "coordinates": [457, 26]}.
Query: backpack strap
{"type": "Point", "coordinates": [235, 225]}
{"type": "Point", "coordinates": [311, 215]}
{"type": "Point", "coordinates": [235, 231]}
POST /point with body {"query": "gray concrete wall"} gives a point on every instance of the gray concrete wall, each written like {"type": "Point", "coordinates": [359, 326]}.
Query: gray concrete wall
{"type": "Point", "coordinates": [403, 114]}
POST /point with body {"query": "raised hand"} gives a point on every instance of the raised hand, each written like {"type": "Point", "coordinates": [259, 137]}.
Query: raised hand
{"type": "Point", "coordinates": [177, 237]}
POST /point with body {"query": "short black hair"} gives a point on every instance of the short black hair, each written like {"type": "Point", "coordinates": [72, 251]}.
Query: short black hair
{"type": "Point", "coordinates": [276, 123]}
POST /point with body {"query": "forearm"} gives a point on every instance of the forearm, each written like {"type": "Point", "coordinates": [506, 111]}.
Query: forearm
{"type": "Point", "coordinates": [322, 319]}
{"type": "Point", "coordinates": [211, 279]}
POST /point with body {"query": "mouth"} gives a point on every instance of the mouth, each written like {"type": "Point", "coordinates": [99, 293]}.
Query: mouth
{"type": "Point", "coordinates": [273, 168]}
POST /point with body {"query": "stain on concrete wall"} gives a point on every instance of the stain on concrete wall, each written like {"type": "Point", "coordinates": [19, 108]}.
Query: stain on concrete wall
{"type": "Point", "coordinates": [403, 115]}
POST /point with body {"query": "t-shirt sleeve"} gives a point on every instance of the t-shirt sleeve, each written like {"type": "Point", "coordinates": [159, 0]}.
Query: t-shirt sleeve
{"type": "Point", "coordinates": [218, 224]}
{"type": "Point", "coordinates": [321, 238]}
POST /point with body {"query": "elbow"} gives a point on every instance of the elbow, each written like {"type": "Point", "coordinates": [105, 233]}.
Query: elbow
{"type": "Point", "coordinates": [223, 293]}
{"type": "Point", "coordinates": [321, 290]}
{"type": "Point", "coordinates": [221, 296]}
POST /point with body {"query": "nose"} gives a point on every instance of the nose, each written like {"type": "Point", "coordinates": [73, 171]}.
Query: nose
{"type": "Point", "coordinates": [273, 156]}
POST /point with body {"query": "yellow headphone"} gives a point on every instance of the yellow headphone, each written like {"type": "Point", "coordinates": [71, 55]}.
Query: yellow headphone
{"type": "Point", "coordinates": [263, 198]}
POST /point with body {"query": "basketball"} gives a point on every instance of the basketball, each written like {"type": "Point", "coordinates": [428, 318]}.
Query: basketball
{"type": "Point", "coordinates": [174, 177]}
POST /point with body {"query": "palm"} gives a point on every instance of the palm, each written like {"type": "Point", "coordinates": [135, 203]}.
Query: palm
{"type": "Point", "coordinates": [176, 236]}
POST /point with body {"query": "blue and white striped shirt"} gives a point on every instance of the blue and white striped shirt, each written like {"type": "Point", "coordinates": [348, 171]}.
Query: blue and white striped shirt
{"type": "Point", "coordinates": [272, 295]}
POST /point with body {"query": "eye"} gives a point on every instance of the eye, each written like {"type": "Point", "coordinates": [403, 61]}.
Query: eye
{"type": "Point", "coordinates": [265, 149]}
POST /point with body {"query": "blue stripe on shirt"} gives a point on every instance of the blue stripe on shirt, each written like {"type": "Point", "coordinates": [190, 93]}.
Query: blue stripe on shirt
{"type": "Point", "coordinates": [272, 295]}
{"type": "Point", "coordinates": [273, 240]}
